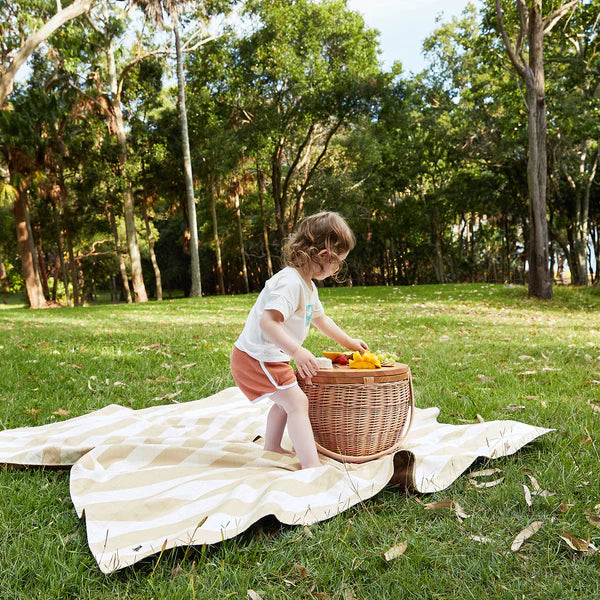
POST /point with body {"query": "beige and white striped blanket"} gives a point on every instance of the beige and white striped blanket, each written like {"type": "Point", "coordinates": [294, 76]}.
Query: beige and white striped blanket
{"type": "Point", "coordinates": [192, 473]}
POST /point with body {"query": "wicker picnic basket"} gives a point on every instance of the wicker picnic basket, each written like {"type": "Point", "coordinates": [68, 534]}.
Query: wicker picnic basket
{"type": "Point", "coordinates": [359, 415]}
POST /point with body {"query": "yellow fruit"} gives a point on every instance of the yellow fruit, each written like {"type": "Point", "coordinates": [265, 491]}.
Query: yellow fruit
{"type": "Point", "coordinates": [361, 364]}
{"type": "Point", "coordinates": [332, 355]}
{"type": "Point", "coordinates": [364, 361]}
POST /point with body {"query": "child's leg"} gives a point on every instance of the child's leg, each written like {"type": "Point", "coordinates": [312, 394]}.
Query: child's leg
{"type": "Point", "coordinates": [295, 404]}
{"type": "Point", "coordinates": [275, 426]}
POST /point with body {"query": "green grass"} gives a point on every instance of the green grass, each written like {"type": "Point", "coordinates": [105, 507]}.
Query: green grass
{"type": "Point", "coordinates": [473, 349]}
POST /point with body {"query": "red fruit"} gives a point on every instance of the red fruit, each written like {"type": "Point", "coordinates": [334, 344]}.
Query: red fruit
{"type": "Point", "coordinates": [342, 359]}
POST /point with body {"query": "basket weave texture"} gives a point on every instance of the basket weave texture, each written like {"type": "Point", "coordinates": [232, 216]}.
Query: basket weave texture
{"type": "Point", "coordinates": [360, 414]}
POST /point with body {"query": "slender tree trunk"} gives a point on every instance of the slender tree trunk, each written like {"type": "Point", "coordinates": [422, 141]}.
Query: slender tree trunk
{"type": "Point", "coordinates": [61, 257]}
{"type": "Point", "coordinates": [580, 225]}
{"type": "Point", "coordinates": [139, 289]}
{"type": "Point", "coordinates": [72, 264]}
{"type": "Point", "coordinates": [196, 290]}
{"type": "Point", "coordinates": [34, 253]}
{"type": "Point", "coordinates": [4, 287]}
{"type": "Point", "coordinates": [150, 238]}
{"type": "Point", "coordinates": [437, 242]}
{"type": "Point", "coordinates": [260, 176]}
{"type": "Point", "coordinates": [278, 198]}
{"type": "Point", "coordinates": [238, 214]}
{"type": "Point", "coordinates": [122, 267]}
{"type": "Point", "coordinates": [212, 191]}
{"type": "Point", "coordinates": [540, 280]}
{"type": "Point", "coordinates": [36, 298]}
{"type": "Point", "coordinates": [43, 269]}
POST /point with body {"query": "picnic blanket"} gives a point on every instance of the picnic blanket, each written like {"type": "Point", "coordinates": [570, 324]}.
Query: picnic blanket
{"type": "Point", "coordinates": [195, 473]}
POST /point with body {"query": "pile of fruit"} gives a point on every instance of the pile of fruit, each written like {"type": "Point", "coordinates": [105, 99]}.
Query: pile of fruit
{"type": "Point", "coordinates": [368, 360]}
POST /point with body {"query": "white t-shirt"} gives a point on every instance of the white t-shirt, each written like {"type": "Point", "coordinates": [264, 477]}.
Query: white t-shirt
{"type": "Point", "coordinates": [298, 302]}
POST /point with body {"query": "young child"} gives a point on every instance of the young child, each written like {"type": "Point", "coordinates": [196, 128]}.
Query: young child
{"type": "Point", "coordinates": [278, 325]}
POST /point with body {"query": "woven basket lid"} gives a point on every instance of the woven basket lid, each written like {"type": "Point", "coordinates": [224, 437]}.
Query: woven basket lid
{"type": "Point", "coordinates": [346, 374]}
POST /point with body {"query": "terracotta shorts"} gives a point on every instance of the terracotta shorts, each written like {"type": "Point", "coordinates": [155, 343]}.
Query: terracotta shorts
{"type": "Point", "coordinates": [258, 379]}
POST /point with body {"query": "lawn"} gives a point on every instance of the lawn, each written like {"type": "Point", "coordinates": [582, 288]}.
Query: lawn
{"type": "Point", "coordinates": [476, 352]}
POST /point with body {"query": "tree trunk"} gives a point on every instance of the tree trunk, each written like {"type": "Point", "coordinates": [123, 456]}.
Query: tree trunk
{"type": "Point", "coordinates": [238, 214]}
{"type": "Point", "coordinates": [60, 18]}
{"type": "Point", "coordinates": [59, 243]}
{"type": "Point", "coordinates": [4, 287]}
{"type": "Point", "coordinates": [36, 298]}
{"type": "Point", "coordinates": [196, 290]}
{"type": "Point", "coordinates": [278, 198]}
{"type": "Point", "coordinates": [533, 27]}
{"type": "Point", "coordinates": [34, 253]}
{"type": "Point", "coordinates": [260, 176]}
{"type": "Point", "coordinates": [122, 268]}
{"type": "Point", "coordinates": [212, 191]}
{"type": "Point", "coordinates": [139, 289]}
{"type": "Point", "coordinates": [72, 265]}
{"type": "Point", "coordinates": [437, 242]}
{"type": "Point", "coordinates": [150, 238]}
{"type": "Point", "coordinates": [580, 224]}
{"type": "Point", "coordinates": [540, 280]}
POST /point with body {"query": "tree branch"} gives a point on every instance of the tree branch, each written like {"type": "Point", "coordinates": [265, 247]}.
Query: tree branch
{"type": "Point", "coordinates": [551, 20]}
{"type": "Point", "coordinates": [35, 39]}
{"type": "Point", "coordinates": [512, 54]}
{"type": "Point", "coordinates": [294, 165]}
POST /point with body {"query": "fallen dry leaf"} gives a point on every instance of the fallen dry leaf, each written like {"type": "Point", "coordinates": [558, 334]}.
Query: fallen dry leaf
{"type": "Point", "coordinates": [526, 357]}
{"type": "Point", "coordinates": [450, 505]}
{"type": "Point", "coordinates": [485, 472]}
{"type": "Point", "coordinates": [480, 539]}
{"type": "Point", "coordinates": [308, 532]}
{"type": "Point", "coordinates": [167, 396]}
{"type": "Point", "coordinates": [594, 407]}
{"type": "Point", "coordinates": [348, 594]}
{"type": "Point", "coordinates": [592, 518]}
{"type": "Point", "coordinates": [395, 551]}
{"type": "Point", "coordinates": [472, 478]}
{"type": "Point", "coordinates": [525, 534]}
{"type": "Point", "coordinates": [34, 412]}
{"type": "Point", "coordinates": [61, 412]}
{"type": "Point", "coordinates": [527, 495]}
{"type": "Point", "coordinates": [253, 595]}
{"type": "Point", "coordinates": [302, 571]}
{"type": "Point", "coordinates": [564, 507]}
{"type": "Point", "coordinates": [579, 545]}
{"type": "Point", "coordinates": [534, 482]}
{"type": "Point", "coordinates": [512, 407]}
{"type": "Point", "coordinates": [486, 484]}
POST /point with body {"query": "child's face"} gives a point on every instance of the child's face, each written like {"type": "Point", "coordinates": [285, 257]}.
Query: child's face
{"type": "Point", "coordinates": [330, 265]}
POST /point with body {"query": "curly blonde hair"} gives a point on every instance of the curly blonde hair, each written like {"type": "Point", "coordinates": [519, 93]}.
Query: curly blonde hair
{"type": "Point", "coordinates": [323, 231]}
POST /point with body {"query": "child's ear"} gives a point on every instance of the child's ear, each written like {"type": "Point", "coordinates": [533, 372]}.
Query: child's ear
{"type": "Point", "coordinates": [323, 253]}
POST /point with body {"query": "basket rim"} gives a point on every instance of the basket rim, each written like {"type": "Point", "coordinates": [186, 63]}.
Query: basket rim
{"type": "Point", "coordinates": [344, 374]}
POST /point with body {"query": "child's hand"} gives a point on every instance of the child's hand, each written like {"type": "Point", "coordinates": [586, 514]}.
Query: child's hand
{"type": "Point", "coordinates": [306, 363]}
{"type": "Point", "coordinates": [357, 344]}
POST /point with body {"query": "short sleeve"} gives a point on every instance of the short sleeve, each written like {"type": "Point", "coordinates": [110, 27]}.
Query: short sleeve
{"type": "Point", "coordinates": [284, 297]}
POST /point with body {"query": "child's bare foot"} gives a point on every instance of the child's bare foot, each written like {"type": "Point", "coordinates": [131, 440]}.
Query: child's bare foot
{"type": "Point", "coordinates": [278, 449]}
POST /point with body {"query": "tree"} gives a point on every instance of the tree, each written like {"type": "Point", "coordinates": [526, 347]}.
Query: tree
{"type": "Point", "coordinates": [62, 16]}
{"type": "Point", "coordinates": [533, 27]}
{"type": "Point", "coordinates": [316, 70]}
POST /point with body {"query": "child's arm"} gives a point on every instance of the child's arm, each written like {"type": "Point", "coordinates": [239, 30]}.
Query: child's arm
{"type": "Point", "coordinates": [306, 363]}
{"type": "Point", "coordinates": [327, 326]}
